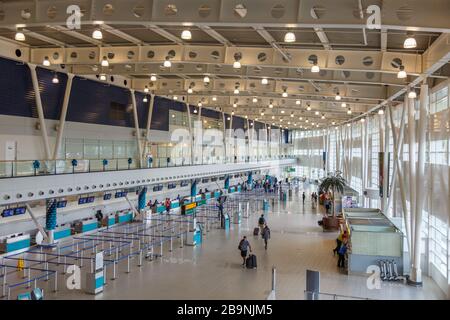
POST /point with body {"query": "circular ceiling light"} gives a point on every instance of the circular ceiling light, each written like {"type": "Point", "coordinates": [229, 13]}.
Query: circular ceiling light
{"type": "Point", "coordinates": [401, 73]}
{"type": "Point", "coordinates": [20, 36]}
{"type": "Point", "coordinates": [264, 81]}
{"type": "Point", "coordinates": [186, 35]}
{"type": "Point", "coordinates": [289, 37]}
{"type": "Point", "coordinates": [97, 34]}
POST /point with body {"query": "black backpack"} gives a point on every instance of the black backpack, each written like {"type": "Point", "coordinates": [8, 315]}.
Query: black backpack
{"type": "Point", "coordinates": [261, 220]}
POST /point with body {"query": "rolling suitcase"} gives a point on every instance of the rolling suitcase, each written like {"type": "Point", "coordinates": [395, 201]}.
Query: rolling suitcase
{"type": "Point", "coordinates": [250, 262]}
{"type": "Point", "coordinates": [256, 231]}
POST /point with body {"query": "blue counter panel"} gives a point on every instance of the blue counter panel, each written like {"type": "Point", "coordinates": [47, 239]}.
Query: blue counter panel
{"type": "Point", "coordinates": [125, 218]}
{"type": "Point", "coordinates": [21, 244]}
{"type": "Point", "coordinates": [89, 227]}
{"type": "Point", "coordinates": [62, 234]}
{"type": "Point", "coordinates": [111, 221]}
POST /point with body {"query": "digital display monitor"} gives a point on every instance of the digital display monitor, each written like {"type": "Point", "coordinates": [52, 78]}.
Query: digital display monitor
{"type": "Point", "coordinates": [90, 199]}
{"type": "Point", "coordinates": [20, 210]}
{"type": "Point", "coordinates": [118, 195]}
{"type": "Point", "coordinates": [205, 180]}
{"type": "Point", "coordinates": [61, 204]}
{"type": "Point", "coordinates": [124, 193]}
{"type": "Point", "coordinates": [214, 179]}
{"type": "Point", "coordinates": [171, 186]}
{"type": "Point", "coordinates": [82, 200]}
{"type": "Point", "coordinates": [7, 213]}
{"type": "Point", "coordinates": [184, 183]}
{"type": "Point", "coordinates": [107, 196]}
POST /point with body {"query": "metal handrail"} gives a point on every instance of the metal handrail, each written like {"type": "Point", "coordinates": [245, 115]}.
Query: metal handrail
{"type": "Point", "coordinates": [334, 295]}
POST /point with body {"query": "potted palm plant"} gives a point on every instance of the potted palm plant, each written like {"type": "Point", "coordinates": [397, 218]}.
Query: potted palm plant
{"type": "Point", "coordinates": [334, 183]}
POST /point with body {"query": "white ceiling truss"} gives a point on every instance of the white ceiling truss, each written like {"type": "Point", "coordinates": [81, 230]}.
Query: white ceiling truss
{"type": "Point", "coordinates": [364, 73]}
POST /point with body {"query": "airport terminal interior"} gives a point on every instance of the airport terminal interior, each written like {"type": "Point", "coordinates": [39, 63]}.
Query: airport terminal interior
{"type": "Point", "coordinates": [224, 150]}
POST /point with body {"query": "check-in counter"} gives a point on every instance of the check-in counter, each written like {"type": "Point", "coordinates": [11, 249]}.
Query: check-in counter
{"type": "Point", "coordinates": [188, 208]}
{"type": "Point", "coordinates": [62, 231]}
{"type": "Point", "coordinates": [207, 195]}
{"type": "Point", "coordinates": [175, 204]}
{"type": "Point", "coordinates": [86, 225]}
{"type": "Point", "coordinates": [124, 216]}
{"type": "Point", "coordinates": [109, 220]}
{"type": "Point", "coordinates": [216, 194]}
{"type": "Point", "coordinates": [13, 243]}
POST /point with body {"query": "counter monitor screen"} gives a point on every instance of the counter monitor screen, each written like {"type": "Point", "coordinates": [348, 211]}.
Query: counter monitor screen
{"type": "Point", "coordinates": [20, 210]}
{"type": "Point", "coordinates": [90, 199]}
{"type": "Point", "coordinates": [61, 204]}
{"type": "Point", "coordinates": [107, 196]}
{"type": "Point", "coordinates": [7, 213]}
{"type": "Point", "coordinates": [82, 200]}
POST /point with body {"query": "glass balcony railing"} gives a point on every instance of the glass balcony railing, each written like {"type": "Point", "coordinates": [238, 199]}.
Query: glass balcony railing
{"type": "Point", "coordinates": [26, 168]}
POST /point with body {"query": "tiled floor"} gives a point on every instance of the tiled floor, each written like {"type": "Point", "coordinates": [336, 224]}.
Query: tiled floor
{"type": "Point", "coordinates": [213, 270]}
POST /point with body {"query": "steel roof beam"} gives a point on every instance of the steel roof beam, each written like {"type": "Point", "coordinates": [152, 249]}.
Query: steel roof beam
{"type": "Point", "coordinates": [77, 35]}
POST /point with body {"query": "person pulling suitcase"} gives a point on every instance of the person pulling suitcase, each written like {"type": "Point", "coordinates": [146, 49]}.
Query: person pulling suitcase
{"type": "Point", "coordinates": [244, 246]}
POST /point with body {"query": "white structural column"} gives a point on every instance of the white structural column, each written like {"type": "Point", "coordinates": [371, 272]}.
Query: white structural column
{"type": "Point", "coordinates": [40, 110]}
{"type": "Point", "coordinates": [149, 124]}
{"type": "Point", "coordinates": [231, 141]}
{"type": "Point", "coordinates": [62, 119]}
{"type": "Point", "coordinates": [191, 137]}
{"type": "Point", "coordinates": [338, 150]}
{"type": "Point", "coordinates": [384, 206]}
{"type": "Point", "coordinates": [224, 137]}
{"type": "Point", "coordinates": [416, 272]}
{"type": "Point", "coordinates": [412, 168]}
{"type": "Point", "coordinates": [249, 150]}
{"type": "Point", "coordinates": [136, 126]}
{"type": "Point", "coordinates": [149, 117]}
{"type": "Point", "coordinates": [398, 142]}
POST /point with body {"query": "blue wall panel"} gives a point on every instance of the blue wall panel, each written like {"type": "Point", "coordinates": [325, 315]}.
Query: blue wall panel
{"type": "Point", "coordinates": [17, 95]}
{"type": "Point", "coordinates": [16, 90]}
{"type": "Point", "coordinates": [239, 123]}
{"type": "Point", "coordinates": [90, 102]}
{"type": "Point", "coordinates": [160, 116]}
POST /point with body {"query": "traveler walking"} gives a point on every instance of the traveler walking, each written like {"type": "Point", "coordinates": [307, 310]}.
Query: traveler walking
{"type": "Point", "coordinates": [303, 197]}
{"type": "Point", "coordinates": [244, 246]}
{"type": "Point", "coordinates": [266, 235]}
{"type": "Point", "coordinates": [341, 252]}
{"type": "Point", "coordinates": [261, 223]}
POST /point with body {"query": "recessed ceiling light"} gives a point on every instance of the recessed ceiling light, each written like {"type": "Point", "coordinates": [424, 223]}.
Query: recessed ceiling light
{"type": "Point", "coordinates": [338, 96]}
{"type": "Point", "coordinates": [186, 35]}
{"type": "Point", "coordinates": [349, 111]}
{"type": "Point", "coordinates": [412, 94]}
{"type": "Point", "coordinates": [255, 100]}
{"type": "Point", "coordinates": [410, 42]}
{"type": "Point", "coordinates": [19, 36]}
{"type": "Point", "coordinates": [55, 79]}
{"type": "Point", "coordinates": [401, 73]}
{"type": "Point", "coordinates": [153, 78]}
{"type": "Point", "coordinates": [103, 77]}
{"type": "Point", "coordinates": [297, 102]}
{"type": "Point", "coordinates": [97, 34]}
{"type": "Point", "coordinates": [236, 65]}
{"type": "Point", "coordinates": [175, 98]}
{"type": "Point", "coordinates": [236, 91]}
{"type": "Point", "coordinates": [289, 37]}
{"type": "Point", "coordinates": [316, 113]}
{"type": "Point", "coordinates": [235, 105]}
{"type": "Point", "coordinates": [105, 62]}
{"type": "Point", "coordinates": [264, 81]}
{"type": "Point", "coordinates": [46, 62]}
{"type": "Point", "coordinates": [145, 99]}
{"type": "Point", "coordinates": [315, 68]}
{"type": "Point", "coordinates": [214, 98]}
{"type": "Point", "coordinates": [381, 111]}
{"type": "Point", "coordinates": [167, 63]}
{"type": "Point", "coordinates": [189, 90]}
{"type": "Point", "coordinates": [363, 120]}
{"type": "Point", "coordinates": [146, 89]}
{"type": "Point", "coordinates": [308, 108]}
{"type": "Point", "coordinates": [343, 105]}
{"type": "Point", "coordinates": [284, 94]}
